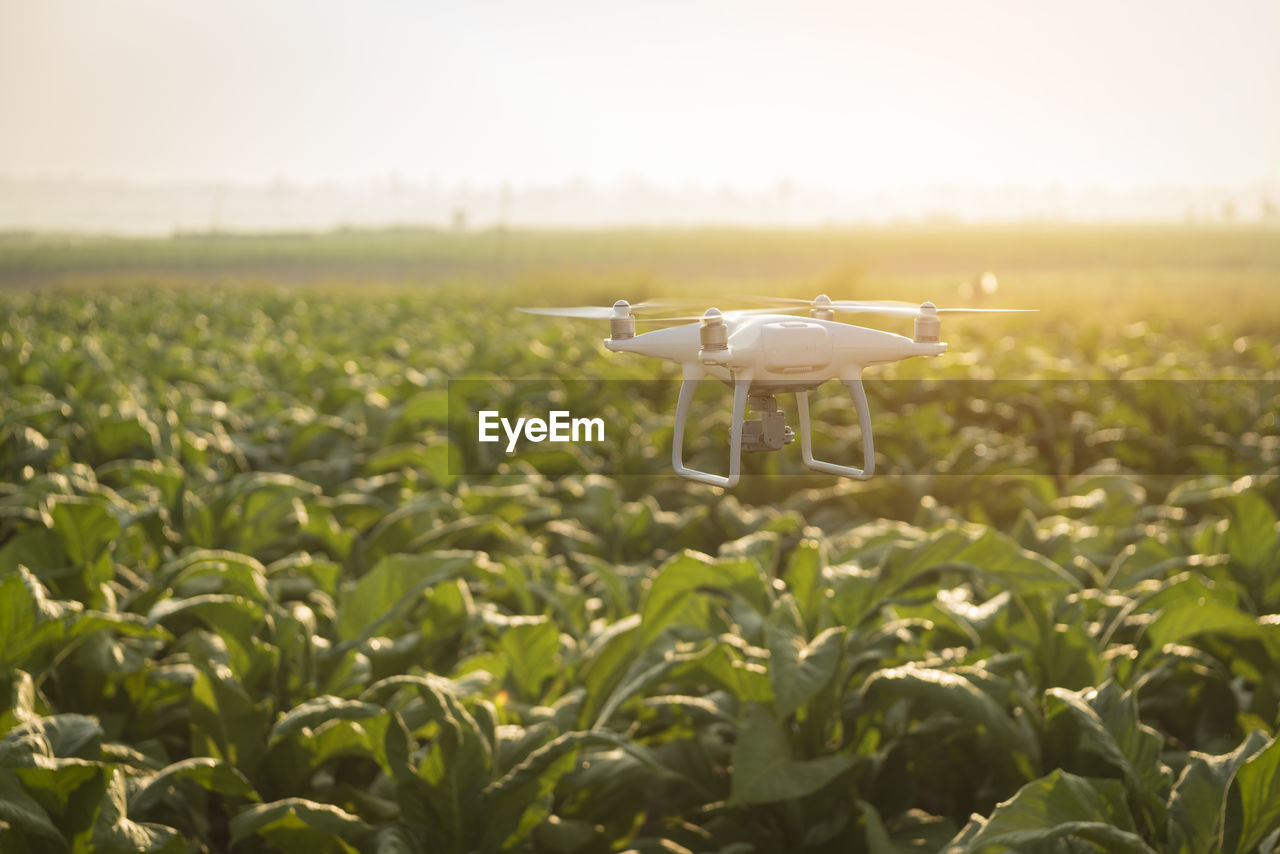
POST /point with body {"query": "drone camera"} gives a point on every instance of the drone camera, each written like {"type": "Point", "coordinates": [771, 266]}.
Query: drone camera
{"type": "Point", "coordinates": [769, 432]}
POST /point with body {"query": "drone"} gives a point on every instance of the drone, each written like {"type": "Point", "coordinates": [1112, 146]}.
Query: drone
{"type": "Point", "coordinates": [761, 353]}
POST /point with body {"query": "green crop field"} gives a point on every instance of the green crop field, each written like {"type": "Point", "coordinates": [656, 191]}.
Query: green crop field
{"type": "Point", "coordinates": [261, 589]}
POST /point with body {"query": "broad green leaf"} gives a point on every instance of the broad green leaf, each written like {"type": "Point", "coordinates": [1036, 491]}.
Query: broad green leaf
{"type": "Point", "coordinates": [226, 723]}
{"type": "Point", "coordinates": [518, 801]}
{"type": "Point", "coordinates": [733, 666]}
{"type": "Point", "coordinates": [1190, 617]}
{"type": "Point", "coordinates": [212, 775]}
{"type": "Point", "coordinates": [24, 814]}
{"type": "Point", "coordinates": [66, 736]}
{"type": "Point", "coordinates": [1198, 804]}
{"type": "Point", "coordinates": [234, 619]}
{"type": "Point", "coordinates": [804, 578]}
{"type": "Point", "coordinates": [1110, 728]}
{"type": "Point", "coordinates": [989, 554]}
{"type": "Point", "coordinates": [878, 840]}
{"type": "Point", "coordinates": [87, 526]}
{"type": "Point", "coordinates": [440, 789]}
{"type": "Point", "coordinates": [934, 689]}
{"type": "Point", "coordinates": [318, 710]}
{"type": "Point", "coordinates": [1253, 537]}
{"type": "Point", "coordinates": [69, 790]}
{"type": "Point", "coordinates": [652, 667]}
{"type": "Point", "coordinates": [532, 646]}
{"type": "Point", "coordinates": [395, 839]}
{"type": "Point", "coordinates": [764, 769]}
{"type": "Point", "coordinates": [1259, 782]}
{"type": "Point", "coordinates": [217, 571]}
{"type": "Point", "coordinates": [28, 617]}
{"type": "Point", "coordinates": [297, 824]}
{"type": "Point", "coordinates": [323, 728]}
{"type": "Point", "coordinates": [1055, 807]}
{"type": "Point", "coordinates": [115, 833]}
{"type": "Point", "coordinates": [393, 586]}
{"type": "Point", "coordinates": [798, 670]}
{"type": "Point", "coordinates": [24, 704]}
{"type": "Point", "coordinates": [684, 577]}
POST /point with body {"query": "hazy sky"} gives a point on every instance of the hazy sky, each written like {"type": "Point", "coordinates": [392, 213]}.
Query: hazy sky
{"type": "Point", "coordinates": [846, 95]}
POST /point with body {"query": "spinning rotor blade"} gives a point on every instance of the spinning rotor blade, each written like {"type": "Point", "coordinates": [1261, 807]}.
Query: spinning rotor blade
{"type": "Point", "coordinates": [780, 300]}
{"type": "Point", "coordinates": [895, 309]}
{"type": "Point", "coordinates": [982, 310]}
{"type": "Point", "coordinates": [595, 312]}
{"type": "Point", "coordinates": [729, 314]}
{"type": "Point", "coordinates": [884, 307]}
{"type": "Point", "coordinates": [601, 312]}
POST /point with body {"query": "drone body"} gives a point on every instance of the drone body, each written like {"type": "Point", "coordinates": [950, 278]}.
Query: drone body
{"type": "Point", "coordinates": [761, 353]}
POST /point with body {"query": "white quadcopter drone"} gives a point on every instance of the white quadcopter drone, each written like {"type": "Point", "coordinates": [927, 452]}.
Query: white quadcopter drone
{"type": "Point", "coordinates": [765, 352]}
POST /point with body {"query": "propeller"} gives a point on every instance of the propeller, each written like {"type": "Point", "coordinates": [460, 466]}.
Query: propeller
{"type": "Point", "coordinates": [885, 308]}
{"type": "Point", "coordinates": [621, 308]}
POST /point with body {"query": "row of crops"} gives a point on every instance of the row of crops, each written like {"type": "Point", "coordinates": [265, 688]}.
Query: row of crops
{"type": "Point", "coordinates": [257, 593]}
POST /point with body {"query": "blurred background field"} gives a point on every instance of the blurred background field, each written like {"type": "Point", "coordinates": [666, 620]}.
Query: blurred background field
{"type": "Point", "coordinates": [1195, 277]}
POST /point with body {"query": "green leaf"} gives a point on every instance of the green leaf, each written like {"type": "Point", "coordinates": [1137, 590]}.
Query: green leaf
{"type": "Point", "coordinates": [878, 839]}
{"type": "Point", "coordinates": [212, 775]}
{"type": "Point", "coordinates": [532, 646]}
{"type": "Point", "coordinates": [1259, 782]}
{"type": "Point", "coordinates": [764, 769]}
{"type": "Point", "coordinates": [216, 571]}
{"type": "Point", "coordinates": [87, 525]}
{"type": "Point", "coordinates": [798, 670]}
{"type": "Point", "coordinates": [24, 704]}
{"type": "Point", "coordinates": [1253, 537]}
{"type": "Point", "coordinates": [24, 814]}
{"type": "Point", "coordinates": [1187, 618]}
{"type": "Point", "coordinates": [297, 824]}
{"type": "Point", "coordinates": [516, 803]}
{"type": "Point", "coordinates": [28, 617]}
{"type": "Point", "coordinates": [69, 790]}
{"type": "Point", "coordinates": [393, 586]}
{"type": "Point", "coordinates": [1198, 804]}
{"type": "Point", "coordinates": [320, 710]}
{"type": "Point", "coordinates": [322, 728]}
{"type": "Point", "coordinates": [682, 578]}
{"type": "Point", "coordinates": [989, 554]}
{"type": "Point", "coordinates": [66, 736]}
{"type": "Point", "coordinates": [933, 690]}
{"type": "Point", "coordinates": [1056, 807]}
{"type": "Point", "coordinates": [439, 791]}
{"type": "Point", "coordinates": [804, 577]}
{"type": "Point", "coordinates": [226, 723]}
{"type": "Point", "coordinates": [395, 839]}
{"type": "Point", "coordinates": [115, 833]}
{"type": "Point", "coordinates": [650, 668]}
{"type": "Point", "coordinates": [1110, 728]}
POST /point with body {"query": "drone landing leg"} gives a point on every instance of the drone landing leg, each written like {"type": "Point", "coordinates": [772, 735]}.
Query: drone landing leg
{"type": "Point", "coordinates": [741, 385]}
{"type": "Point", "coordinates": [864, 421]}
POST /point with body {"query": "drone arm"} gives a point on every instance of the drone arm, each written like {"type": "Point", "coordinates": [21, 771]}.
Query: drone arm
{"type": "Point", "coordinates": [854, 385]}
{"type": "Point", "coordinates": [741, 385]}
